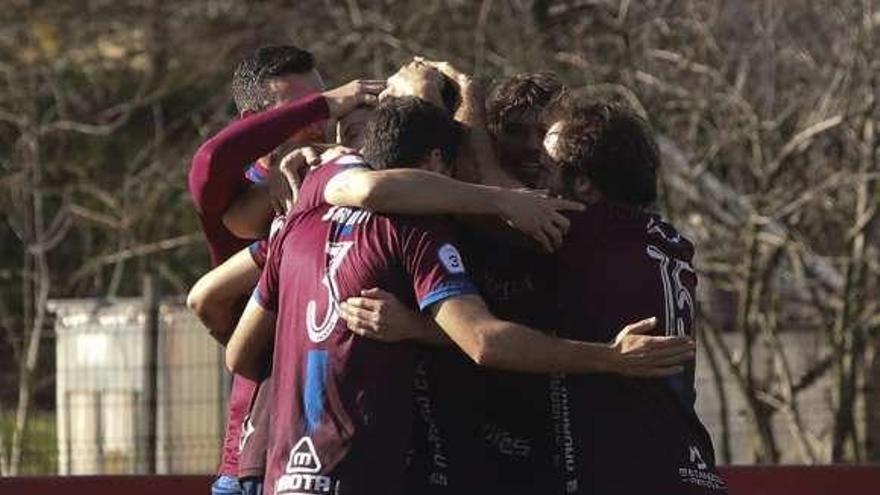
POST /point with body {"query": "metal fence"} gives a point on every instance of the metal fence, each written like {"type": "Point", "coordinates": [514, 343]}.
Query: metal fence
{"type": "Point", "coordinates": [113, 415]}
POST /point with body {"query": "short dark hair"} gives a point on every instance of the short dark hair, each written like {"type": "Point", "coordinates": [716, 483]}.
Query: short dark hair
{"type": "Point", "coordinates": [613, 147]}
{"type": "Point", "coordinates": [518, 95]}
{"type": "Point", "coordinates": [405, 130]}
{"type": "Point", "coordinates": [248, 81]}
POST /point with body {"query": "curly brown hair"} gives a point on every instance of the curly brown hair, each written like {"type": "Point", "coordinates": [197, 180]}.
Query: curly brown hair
{"type": "Point", "coordinates": [612, 146]}
{"type": "Point", "coordinates": [519, 95]}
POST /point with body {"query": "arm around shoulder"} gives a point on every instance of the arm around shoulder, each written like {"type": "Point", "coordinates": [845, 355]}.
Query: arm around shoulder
{"type": "Point", "coordinates": [495, 343]}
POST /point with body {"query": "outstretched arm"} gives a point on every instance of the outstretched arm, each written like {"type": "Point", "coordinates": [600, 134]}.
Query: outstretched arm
{"type": "Point", "coordinates": [216, 176]}
{"type": "Point", "coordinates": [420, 192]}
{"type": "Point", "coordinates": [220, 161]}
{"type": "Point", "coordinates": [500, 344]}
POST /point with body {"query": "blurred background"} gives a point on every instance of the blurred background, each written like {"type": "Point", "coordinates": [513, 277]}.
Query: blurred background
{"type": "Point", "coordinates": [767, 117]}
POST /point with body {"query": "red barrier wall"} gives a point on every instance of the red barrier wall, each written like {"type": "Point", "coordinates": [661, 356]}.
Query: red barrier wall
{"type": "Point", "coordinates": [744, 480]}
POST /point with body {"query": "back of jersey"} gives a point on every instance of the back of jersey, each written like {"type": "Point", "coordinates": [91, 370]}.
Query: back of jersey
{"type": "Point", "coordinates": [620, 265]}
{"type": "Point", "coordinates": [342, 404]}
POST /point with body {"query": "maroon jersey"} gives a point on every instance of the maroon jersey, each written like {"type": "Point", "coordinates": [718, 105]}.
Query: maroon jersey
{"type": "Point", "coordinates": [216, 177]}
{"type": "Point", "coordinates": [255, 428]}
{"type": "Point", "coordinates": [620, 435]}
{"type": "Point", "coordinates": [341, 413]}
{"type": "Point", "coordinates": [217, 174]}
{"type": "Point", "coordinates": [480, 430]}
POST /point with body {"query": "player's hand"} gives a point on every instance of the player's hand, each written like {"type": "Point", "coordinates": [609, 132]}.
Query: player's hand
{"type": "Point", "coordinates": [471, 108]}
{"type": "Point", "coordinates": [536, 215]}
{"type": "Point", "coordinates": [352, 95]}
{"type": "Point", "coordinates": [292, 169]}
{"type": "Point", "coordinates": [379, 315]}
{"type": "Point", "coordinates": [461, 80]}
{"type": "Point", "coordinates": [416, 79]}
{"type": "Point", "coordinates": [637, 354]}
{"type": "Point", "coordinates": [335, 152]}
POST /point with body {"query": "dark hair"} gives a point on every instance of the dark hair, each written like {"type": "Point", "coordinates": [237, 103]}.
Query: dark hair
{"type": "Point", "coordinates": [405, 130]}
{"type": "Point", "coordinates": [449, 95]}
{"type": "Point", "coordinates": [248, 81]}
{"type": "Point", "coordinates": [520, 94]}
{"type": "Point", "coordinates": [613, 147]}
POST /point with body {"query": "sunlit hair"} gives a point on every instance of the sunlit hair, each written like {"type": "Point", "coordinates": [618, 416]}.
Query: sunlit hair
{"type": "Point", "coordinates": [520, 95]}
{"type": "Point", "coordinates": [612, 146]}
{"type": "Point", "coordinates": [249, 79]}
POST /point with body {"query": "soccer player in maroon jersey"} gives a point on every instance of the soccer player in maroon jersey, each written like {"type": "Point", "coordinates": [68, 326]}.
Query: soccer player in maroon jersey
{"type": "Point", "coordinates": [342, 426]}
{"type": "Point", "coordinates": [620, 262]}
{"type": "Point", "coordinates": [214, 297]}
{"type": "Point", "coordinates": [268, 78]}
{"type": "Point", "coordinates": [479, 427]}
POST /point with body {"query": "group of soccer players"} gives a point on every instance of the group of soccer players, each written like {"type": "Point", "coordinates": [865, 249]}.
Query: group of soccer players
{"type": "Point", "coordinates": [423, 289]}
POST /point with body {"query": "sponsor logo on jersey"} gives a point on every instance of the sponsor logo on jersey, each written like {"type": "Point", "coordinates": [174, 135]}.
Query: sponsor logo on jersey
{"type": "Point", "coordinates": [561, 414]}
{"type": "Point", "coordinates": [698, 472]}
{"type": "Point", "coordinates": [301, 473]}
{"type": "Point", "coordinates": [438, 463]}
{"type": "Point", "coordinates": [303, 457]}
{"type": "Point", "coordinates": [504, 442]}
{"type": "Point", "coordinates": [451, 259]}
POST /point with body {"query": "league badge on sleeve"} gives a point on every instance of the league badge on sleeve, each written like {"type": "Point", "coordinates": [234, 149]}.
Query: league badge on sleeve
{"type": "Point", "coordinates": [451, 259]}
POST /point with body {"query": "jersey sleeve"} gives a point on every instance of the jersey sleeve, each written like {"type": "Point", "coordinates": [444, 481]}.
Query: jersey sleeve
{"type": "Point", "coordinates": [311, 193]}
{"type": "Point", "coordinates": [259, 251]}
{"type": "Point", "coordinates": [217, 173]}
{"type": "Point", "coordinates": [433, 262]}
{"type": "Point", "coordinates": [257, 173]}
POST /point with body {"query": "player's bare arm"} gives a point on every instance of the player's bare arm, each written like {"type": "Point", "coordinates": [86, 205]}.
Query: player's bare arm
{"type": "Point", "coordinates": [421, 192]}
{"type": "Point", "coordinates": [495, 343]}
{"type": "Point", "coordinates": [215, 298]}
{"type": "Point", "coordinates": [248, 349]}
{"type": "Point", "coordinates": [378, 315]}
{"type": "Point", "coordinates": [632, 352]}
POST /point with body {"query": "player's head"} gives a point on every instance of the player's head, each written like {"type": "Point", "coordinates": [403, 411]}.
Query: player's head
{"type": "Point", "coordinates": [409, 132]}
{"type": "Point", "coordinates": [603, 151]}
{"type": "Point", "coordinates": [271, 75]}
{"type": "Point", "coordinates": [515, 110]}
{"type": "Point", "coordinates": [415, 75]}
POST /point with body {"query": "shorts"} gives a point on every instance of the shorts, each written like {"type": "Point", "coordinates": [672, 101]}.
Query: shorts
{"type": "Point", "coordinates": [251, 486]}
{"type": "Point", "coordinates": [226, 485]}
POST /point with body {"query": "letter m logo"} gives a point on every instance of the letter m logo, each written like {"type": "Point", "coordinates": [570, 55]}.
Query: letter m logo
{"type": "Point", "coordinates": [303, 458]}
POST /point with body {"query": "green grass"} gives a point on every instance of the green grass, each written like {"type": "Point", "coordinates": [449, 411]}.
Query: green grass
{"type": "Point", "coordinates": [40, 445]}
